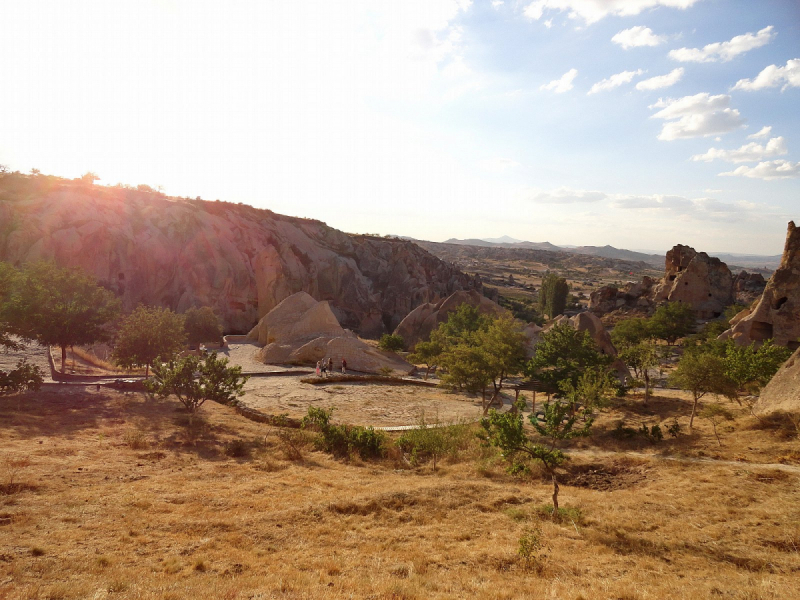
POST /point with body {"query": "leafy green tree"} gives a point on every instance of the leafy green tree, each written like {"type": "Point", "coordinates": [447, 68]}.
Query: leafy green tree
{"type": "Point", "coordinates": [503, 345]}
{"type": "Point", "coordinates": [195, 379]}
{"type": "Point", "coordinates": [553, 295]}
{"type": "Point", "coordinates": [466, 319]}
{"type": "Point", "coordinates": [595, 388]}
{"type": "Point", "coordinates": [8, 275]}
{"type": "Point", "coordinates": [147, 333]}
{"type": "Point", "coordinates": [506, 432]}
{"type": "Point", "coordinates": [563, 354]}
{"type": "Point", "coordinates": [473, 359]}
{"type": "Point", "coordinates": [630, 332]}
{"type": "Point", "coordinates": [202, 325]}
{"type": "Point", "coordinates": [702, 374]}
{"type": "Point", "coordinates": [751, 366]}
{"type": "Point", "coordinates": [392, 342]}
{"type": "Point", "coordinates": [671, 321]}
{"type": "Point", "coordinates": [641, 358]}
{"type": "Point", "coordinates": [59, 307]}
{"type": "Point", "coordinates": [427, 353]}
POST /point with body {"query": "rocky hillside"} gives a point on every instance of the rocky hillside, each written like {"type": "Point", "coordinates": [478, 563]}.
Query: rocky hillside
{"type": "Point", "coordinates": [240, 260]}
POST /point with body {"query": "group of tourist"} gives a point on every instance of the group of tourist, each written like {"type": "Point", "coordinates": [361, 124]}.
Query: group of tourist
{"type": "Point", "coordinates": [325, 366]}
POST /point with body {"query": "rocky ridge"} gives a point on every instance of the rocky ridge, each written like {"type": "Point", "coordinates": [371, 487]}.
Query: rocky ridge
{"type": "Point", "coordinates": [239, 260]}
{"type": "Point", "coordinates": [695, 278]}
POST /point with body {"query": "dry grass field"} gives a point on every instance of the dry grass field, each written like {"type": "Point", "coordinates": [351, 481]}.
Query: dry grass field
{"type": "Point", "coordinates": [106, 495]}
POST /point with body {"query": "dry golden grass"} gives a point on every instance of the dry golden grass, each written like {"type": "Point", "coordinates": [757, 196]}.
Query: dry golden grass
{"type": "Point", "coordinates": [118, 499]}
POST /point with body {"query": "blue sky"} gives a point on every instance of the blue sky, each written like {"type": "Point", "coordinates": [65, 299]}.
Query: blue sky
{"type": "Point", "coordinates": [635, 123]}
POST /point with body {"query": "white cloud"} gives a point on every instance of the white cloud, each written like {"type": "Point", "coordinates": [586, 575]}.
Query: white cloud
{"type": "Point", "coordinates": [776, 169]}
{"type": "Point", "coordinates": [725, 51]}
{"type": "Point", "coordinates": [562, 84]}
{"type": "Point", "coordinates": [773, 76]}
{"type": "Point", "coordinates": [752, 152]}
{"type": "Point", "coordinates": [615, 81]}
{"type": "Point", "coordinates": [496, 4]}
{"type": "Point", "coordinates": [592, 11]}
{"type": "Point", "coordinates": [661, 81]}
{"type": "Point", "coordinates": [548, 23]}
{"type": "Point", "coordinates": [638, 36]}
{"type": "Point", "coordinates": [498, 164]}
{"type": "Point", "coordinates": [700, 115]}
{"type": "Point", "coordinates": [761, 133]}
{"type": "Point", "coordinates": [565, 195]}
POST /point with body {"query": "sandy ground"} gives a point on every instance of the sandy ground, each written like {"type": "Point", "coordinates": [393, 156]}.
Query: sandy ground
{"type": "Point", "coordinates": [360, 403]}
{"type": "Point", "coordinates": [355, 403]}
{"type": "Point", "coordinates": [36, 355]}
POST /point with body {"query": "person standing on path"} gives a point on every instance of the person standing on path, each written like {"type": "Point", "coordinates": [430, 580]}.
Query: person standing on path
{"type": "Point", "coordinates": [344, 366]}
{"type": "Point", "coordinates": [330, 365]}
{"type": "Point", "coordinates": [324, 368]}
{"type": "Point", "coordinates": [319, 373]}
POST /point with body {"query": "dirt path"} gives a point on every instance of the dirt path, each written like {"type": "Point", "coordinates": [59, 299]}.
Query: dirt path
{"type": "Point", "coordinates": [684, 459]}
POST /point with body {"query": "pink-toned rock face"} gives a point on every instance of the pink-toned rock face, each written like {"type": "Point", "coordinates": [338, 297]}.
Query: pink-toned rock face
{"type": "Point", "coordinates": [239, 260]}
{"type": "Point", "coordinates": [777, 314]}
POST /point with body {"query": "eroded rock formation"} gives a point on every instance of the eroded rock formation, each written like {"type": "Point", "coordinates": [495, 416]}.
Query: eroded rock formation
{"type": "Point", "coordinates": [695, 278]}
{"type": "Point", "coordinates": [782, 393]}
{"type": "Point", "coordinates": [301, 330]}
{"type": "Point", "coordinates": [239, 260]}
{"type": "Point", "coordinates": [419, 323]}
{"type": "Point", "coordinates": [777, 314]}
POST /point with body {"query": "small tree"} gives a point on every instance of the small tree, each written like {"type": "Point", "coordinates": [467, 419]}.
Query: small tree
{"type": "Point", "coordinates": [641, 358]}
{"type": "Point", "coordinates": [671, 321]}
{"type": "Point", "coordinates": [753, 367]}
{"type": "Point", "coordinates": [147, 333]}
{"type": "Point", "coordinates": [564, 353]}
{"type": "Point", "coordinates": [503, 346]}
{"type": "Point", "coordinates": [716, 413]}
{"type": "Point", "coordinates": [195, 379]}
{"type": "Point", "coordinates": [392, 342]}
{"type": "Point", "coordinates": [702, 374]}
{"type": "Point", "coordinates": [595, 388]}
{"type": "Point", "coordinates": [631, 332]}
{"type": "Point", "coordinates": [506, 432]}
{"type": "Point", "coordinates": [202, 325]}
{"type": "Point", "coordinates": [89, 178]}
{"type": "Point", "coordinates": [553, 295]}
{"type": "Point", "coordinates": [427, 353]}
{"type": "Point", "coordinates": [59, 307]}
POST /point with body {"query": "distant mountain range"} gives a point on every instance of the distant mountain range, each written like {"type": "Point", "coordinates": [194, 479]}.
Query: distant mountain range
{"type": "Point", "coordinates": [734, 261]}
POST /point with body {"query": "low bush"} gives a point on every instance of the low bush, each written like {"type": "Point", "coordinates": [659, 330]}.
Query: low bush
{"type": "Point", "coordinates": [344, 440]}
{"type": "Point", "coordinates": [433, 441]}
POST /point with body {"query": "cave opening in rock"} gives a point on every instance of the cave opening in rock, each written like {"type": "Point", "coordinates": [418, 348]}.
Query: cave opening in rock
{"type": "Point", "coordinates": [761, 331]}
{"type": "Point", "coordinates": [779, 303]}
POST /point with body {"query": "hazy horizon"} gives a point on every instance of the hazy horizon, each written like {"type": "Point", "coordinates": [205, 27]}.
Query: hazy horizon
{"type": "Point", "coordinates": [630, 123]}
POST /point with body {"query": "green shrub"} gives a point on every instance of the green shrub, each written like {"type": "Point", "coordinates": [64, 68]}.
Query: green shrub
{"type": "Point", "coordinates": [343, 440]}
{"type": "Point", "coordinates": [392, 342]}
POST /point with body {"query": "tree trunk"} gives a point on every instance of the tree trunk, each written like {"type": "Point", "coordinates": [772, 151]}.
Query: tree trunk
{"type": "Point", "coordinates": [694, 410]}
{"type": "Point", "coordinates": [646, 385]}
{"type": "Point", "coordinates": [555, 497]}
{"type": "Point", "coordinates": [63, 359]}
